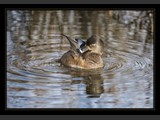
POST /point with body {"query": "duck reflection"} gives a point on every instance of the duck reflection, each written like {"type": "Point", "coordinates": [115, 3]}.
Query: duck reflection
{"type": "Point", "coordinates": [94, 85]}
{"type": "Point", "coordinates": [92, 79]}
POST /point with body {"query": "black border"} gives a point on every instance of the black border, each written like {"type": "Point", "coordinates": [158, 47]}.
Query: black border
{"type": "Point", "coordinates": [147, 111]}
{"type": "Point", "coordinates": [80, 2]}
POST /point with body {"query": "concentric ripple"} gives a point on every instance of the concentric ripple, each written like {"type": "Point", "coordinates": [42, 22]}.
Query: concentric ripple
{"type": "Point", "coordinates": [36, 79]}
{"type": "Point", "coordinates": [127, 64]}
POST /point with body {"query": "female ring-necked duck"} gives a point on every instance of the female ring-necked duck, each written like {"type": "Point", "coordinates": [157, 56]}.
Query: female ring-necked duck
{"type": "Point", "coordinates": [84, 54]}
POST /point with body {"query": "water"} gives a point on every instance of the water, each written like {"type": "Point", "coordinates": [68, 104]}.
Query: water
{"type": "Point", "coordinates": [35, 78]}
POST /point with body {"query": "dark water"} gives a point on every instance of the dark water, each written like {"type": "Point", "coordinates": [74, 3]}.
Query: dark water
{"type": "Point", "coordinates": [35, 78]}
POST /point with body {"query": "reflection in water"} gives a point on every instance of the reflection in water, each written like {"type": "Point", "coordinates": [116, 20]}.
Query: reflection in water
{"type": "Point", "coordinates": [94, 85]}
{"type": "Point", "coordinates": [36, 79]}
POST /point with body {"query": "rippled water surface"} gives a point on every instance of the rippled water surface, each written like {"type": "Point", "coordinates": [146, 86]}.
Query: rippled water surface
{"type": "Point", "coordinates": [36, 79]}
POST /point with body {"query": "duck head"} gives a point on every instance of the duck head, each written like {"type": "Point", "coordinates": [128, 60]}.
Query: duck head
{"type": "Point", "coordinates": [95, 44]}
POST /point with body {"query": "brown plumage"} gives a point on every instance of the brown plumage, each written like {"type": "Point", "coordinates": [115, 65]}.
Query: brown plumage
{"type": "Point", "coordinates": [89, 59]}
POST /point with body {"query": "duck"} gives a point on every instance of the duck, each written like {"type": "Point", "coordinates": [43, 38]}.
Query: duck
{"type": "Point", "coordinates": [84, 54]}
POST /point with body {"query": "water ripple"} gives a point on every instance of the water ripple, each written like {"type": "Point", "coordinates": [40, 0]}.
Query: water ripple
{"type": "Point", "coordinates": [35, 78]}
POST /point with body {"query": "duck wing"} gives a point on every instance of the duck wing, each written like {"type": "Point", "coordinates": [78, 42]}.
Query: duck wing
{"type": "Point", "coordinates": [76, 44]}
{"type": "Point", "coordinates": [73, 43]}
